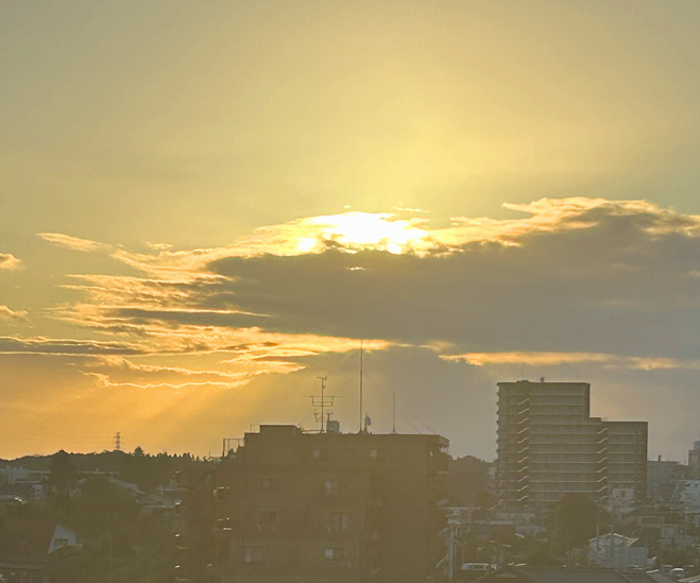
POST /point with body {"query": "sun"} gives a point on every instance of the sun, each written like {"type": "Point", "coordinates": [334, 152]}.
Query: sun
{"type": "Point", "coordinates": [357, 231]}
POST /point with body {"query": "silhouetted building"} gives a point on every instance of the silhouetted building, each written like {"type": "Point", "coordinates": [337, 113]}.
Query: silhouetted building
{"type": "Point", "coordinates": [332, 507]}
{"type": "Point", "coordinates": [694, 461]}
{"type": "Point", "coordinates": [662, 476]}
{"type": "Point", "coordinates": [549, 445]}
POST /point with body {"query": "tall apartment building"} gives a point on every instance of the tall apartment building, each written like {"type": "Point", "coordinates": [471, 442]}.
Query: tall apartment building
{"type": "Point", "coordinates": [333, 508]}
{"type": "Point", "coordinates": [694, 461]}
{"type": "Point", "coordinates": [549, 445]}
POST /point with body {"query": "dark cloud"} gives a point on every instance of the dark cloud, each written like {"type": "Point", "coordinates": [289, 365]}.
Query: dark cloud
{"type": "Point", "coordinates": [625, 283]}
{"type": "Point", "coordinates": [10, 345]}
{"type": "Point", "coordinates": [186, 317]}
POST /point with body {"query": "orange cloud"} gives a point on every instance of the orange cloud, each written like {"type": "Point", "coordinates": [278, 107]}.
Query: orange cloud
{"type": "Point", "coordinates": [8, 314]}
{"type": "Point", "coordinates": [9, 261]}
{"type": "Point", "coordinates": [559, 358]}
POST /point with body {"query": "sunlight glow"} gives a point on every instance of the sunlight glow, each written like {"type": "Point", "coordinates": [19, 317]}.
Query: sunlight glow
{"type": "Point", "coordinates": [380, 231]}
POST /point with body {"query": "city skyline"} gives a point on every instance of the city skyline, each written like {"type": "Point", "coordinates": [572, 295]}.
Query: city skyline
{"type": "Point", "coordinates": [205, 207]}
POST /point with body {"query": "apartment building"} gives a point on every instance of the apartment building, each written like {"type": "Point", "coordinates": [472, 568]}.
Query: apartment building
{"type": "Point", "coordinates": [549, 445]}
{"type": "Point", "coordinates": [333, 508]}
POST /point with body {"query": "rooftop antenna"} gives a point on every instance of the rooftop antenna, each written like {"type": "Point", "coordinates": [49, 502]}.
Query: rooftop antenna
{"type": "Point", "coordinates": [323, 402]}
{"type": "Point", "coordinates": [393, 430]}
{"type": "Point", "coordinates": [226, 446]}
{"type": "Point", "coordinates": [361, 416]}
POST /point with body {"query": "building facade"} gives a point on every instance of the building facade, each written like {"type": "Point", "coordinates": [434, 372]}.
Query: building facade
{"type": "Point", "coordinates": [333, 508]}
{"type": "Point", "coordinates": [549, 445]}
{"type": "Point", "coordinates": [694, 461]}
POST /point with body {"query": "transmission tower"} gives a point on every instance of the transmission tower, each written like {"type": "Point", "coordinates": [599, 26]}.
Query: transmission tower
{"type": "Point", "coordinates": [118, 441]}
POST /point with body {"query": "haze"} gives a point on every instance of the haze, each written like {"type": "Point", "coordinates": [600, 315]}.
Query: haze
{"type": "Point", "coordinates": [208, 205]}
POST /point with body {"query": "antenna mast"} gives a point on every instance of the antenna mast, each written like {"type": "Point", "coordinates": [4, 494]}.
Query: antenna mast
{"type": "Point", "coordinates": [394, 414]}
{"type": "Point", "coordinates": [361, 414]}
{"type": "Point", "coordinates": [322, 402]}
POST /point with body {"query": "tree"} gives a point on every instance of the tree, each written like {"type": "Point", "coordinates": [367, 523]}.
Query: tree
{"type": "Point", "coordinates": [63, 471]}
{"type": "Point", "coordinates": [576, 518]}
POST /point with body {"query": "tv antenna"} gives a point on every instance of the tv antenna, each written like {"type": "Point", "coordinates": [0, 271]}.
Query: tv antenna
{"type": "Point", "coordinates": [227, 445]}
{"type": "Point", "coordinates": [322, 402]}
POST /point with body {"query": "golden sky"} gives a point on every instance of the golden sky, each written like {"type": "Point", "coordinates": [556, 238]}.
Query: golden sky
{"type": "Point", "coordinates": [207, 205]}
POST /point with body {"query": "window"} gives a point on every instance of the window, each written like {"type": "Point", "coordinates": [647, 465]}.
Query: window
{"type": "Point", "coordinates": [223, 493]}
{"type": "Point", "coordinates": [330, 487]}
{"type": "Point", "coordinates": [269, 485]}
{"type": "Point", "coordinates": [252, 554]}
{"type": "Point", "coordinates": [337, 521]}
{"type": "Point", "coordinates": [268, 518]}
{"type": "Point", "coordinates": [376, 454]}
{"type": "Point", "coordinates": [223, 523]}
{"type": "Point", "coordinates": [334, 554]}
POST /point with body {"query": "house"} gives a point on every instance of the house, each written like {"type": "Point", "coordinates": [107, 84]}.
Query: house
{"type": "Point", "coordinates": [29, 545]}
{"type": "Point", "coordinates": [617, 551]}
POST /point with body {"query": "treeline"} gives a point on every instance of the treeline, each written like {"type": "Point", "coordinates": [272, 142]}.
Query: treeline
{"type": "Point", "coordinates": [122, 542]}
{"type": "Point", "coordinates": [143, 469]}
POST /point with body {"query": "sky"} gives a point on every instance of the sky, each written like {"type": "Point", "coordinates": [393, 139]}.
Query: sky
{"type": "Point", "coordinates": [206, 206]}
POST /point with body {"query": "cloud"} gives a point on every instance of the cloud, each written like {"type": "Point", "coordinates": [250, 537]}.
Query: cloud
{"type": "Point", "coordinates": [9, 345]}
{"type": "Point", "coordinates": [606, 291]}
{"type": "Point", "coordinates": [9, 261]}
{"type": "Point", "coordinates": [16, 315]}
{"type": "Point", "coordinates": [396, 233]}
{"type": "Point", "coordinates": [114, 371]}
{"type": "Point", "coordinates": [576, 275]}
{"type": "Point", "coordinates": [77, 244]}
{"type": "Point", "coordinates": [548, 359]}
{"type": "Point", "coordinates": [586, 276]}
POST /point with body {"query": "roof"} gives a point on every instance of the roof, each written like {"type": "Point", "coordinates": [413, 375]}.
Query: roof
{"type": "Point", "coordinates": [26, 536]}
{"type": "Point", "coordinates": [619, 539]}
{"type": "Point", "coordinates": [512, 574]}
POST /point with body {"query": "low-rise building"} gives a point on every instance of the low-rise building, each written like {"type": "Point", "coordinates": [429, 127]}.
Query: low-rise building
{"type": "Point", "coordinates": [617, 551]}
{"type": "Point", "coordinates": [332, 507]}
{"type": "Point", "coordinates": [662, 476]}
{"type": "Point", "coordinates": [29, 545]}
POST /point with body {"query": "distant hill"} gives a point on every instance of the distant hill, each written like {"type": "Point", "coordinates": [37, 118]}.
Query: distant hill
{"type": "Point", "coordinates": [469, 477]}
{"type": "Point", "coordinates": [147, 471]}
{"type": "Point", "coordinates": [107, 461]}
